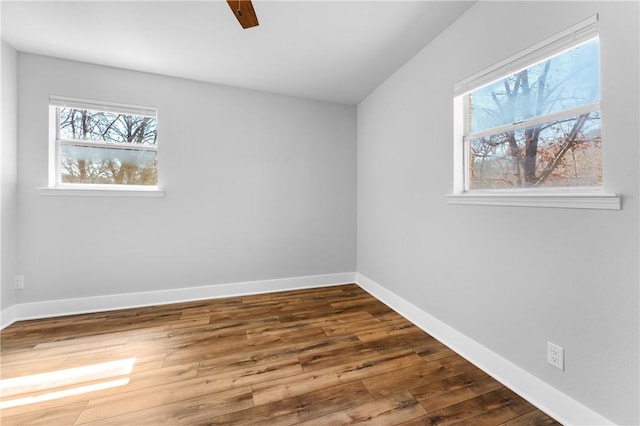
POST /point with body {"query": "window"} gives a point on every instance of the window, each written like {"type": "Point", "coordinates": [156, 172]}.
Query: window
{"type": "Point", "coordinates": [537, 127]}
{"type": "Point", "coordinates": [532, 123]}
{"type": "Point", "coordinates": [102, 145]}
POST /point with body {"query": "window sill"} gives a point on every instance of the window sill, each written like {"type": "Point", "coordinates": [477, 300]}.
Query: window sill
{"type": "Point", "coordinates": [601, 201]}
{"type": "Point", "coordinates": [102, 192]}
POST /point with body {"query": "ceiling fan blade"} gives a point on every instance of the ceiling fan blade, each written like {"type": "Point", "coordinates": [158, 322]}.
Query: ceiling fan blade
{"type": "Point", "coordinates": [243, 9]}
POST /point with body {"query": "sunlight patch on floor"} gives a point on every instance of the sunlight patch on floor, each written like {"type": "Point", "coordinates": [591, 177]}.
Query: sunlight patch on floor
{"type": "Point", "coordinates": [52, 380]}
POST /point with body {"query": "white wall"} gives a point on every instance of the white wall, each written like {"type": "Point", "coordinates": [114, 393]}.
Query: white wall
{"type": "Point", "coordinates": [8, 175]}
{"type": "Point", "coordinates": [258, 186]}
{"type": "Point", "coordinates": [510, 278]}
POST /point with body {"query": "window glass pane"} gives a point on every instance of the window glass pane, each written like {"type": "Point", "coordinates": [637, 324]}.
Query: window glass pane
{"type": "Point", "coordinates": [560, 153]}
{"type": "Point", "coordinates": [106, 126]}
{"type": "Point", "coordinates": [87, 164]}
{"type": "Point", "coordinates": [565, 81]}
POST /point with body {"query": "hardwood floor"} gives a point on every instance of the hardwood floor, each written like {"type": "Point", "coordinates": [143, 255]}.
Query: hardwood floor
{"type": "Point", "coordinates": [328, 356]}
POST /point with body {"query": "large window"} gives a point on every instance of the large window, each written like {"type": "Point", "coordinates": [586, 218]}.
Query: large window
{"type": "Point", "coordinates": [102, 145]}
{"type": "Point", "coordinates": [532, 122]}
{"type": "Point", "coordinates": [538, 127]}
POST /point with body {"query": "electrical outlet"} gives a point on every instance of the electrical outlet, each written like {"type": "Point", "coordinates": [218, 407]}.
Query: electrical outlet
{"type": "Point", "coordinates": [555, 355]}
{"type": "Point", "coordinates": [18, 282]}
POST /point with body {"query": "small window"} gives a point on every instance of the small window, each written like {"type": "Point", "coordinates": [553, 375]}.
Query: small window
{"type": "Point", "coordinates": [100, 145]}
{"type": "Point", "coordinates": [537, 126]}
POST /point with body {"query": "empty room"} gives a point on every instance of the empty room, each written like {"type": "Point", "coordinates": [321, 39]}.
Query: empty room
{"type": "Point", "coordinates": [320, 212]}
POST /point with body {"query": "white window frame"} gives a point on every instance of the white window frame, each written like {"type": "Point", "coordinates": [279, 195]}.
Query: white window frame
{"type": "Point", "coordinates": [56, 187]}
{"type": "Point", "coordinates": [578, 197]}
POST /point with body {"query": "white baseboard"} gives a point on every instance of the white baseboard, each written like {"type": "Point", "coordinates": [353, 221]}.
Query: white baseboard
{"type": "Point", "coordinates": [7, 316]}
{"type": "Point", "coordinates": [558, 405]}
{"type": "Point", "coordinates": [83, 305]}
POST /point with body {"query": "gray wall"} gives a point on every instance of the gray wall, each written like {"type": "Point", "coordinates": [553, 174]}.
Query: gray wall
{"type": "Point", "coordinates": [268, 190]}
{"type": "Point", "coordinates": [258, 186]}
{"type": "Point", "coordinates": [8, 174]}
{"type": "Point", "coordinates": [510, 278]}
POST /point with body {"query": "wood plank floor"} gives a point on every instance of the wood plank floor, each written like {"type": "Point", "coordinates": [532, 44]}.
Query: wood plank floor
{"type": "Point", "coordinates": [329, 356]}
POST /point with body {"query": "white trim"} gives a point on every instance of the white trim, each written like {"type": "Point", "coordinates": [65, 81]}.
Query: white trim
{"type": "Point", "coordinates": [7, 316]}
{"type": "Point", "coordinates": [531, 122]}
{"type": "Point", "coordinates": [66, 102]}
{"type": "Point", "coordinates": [89, 190]}
{"type": "Point", "coordinates": [599, 201]}
{"type": "Point", "coordinates": [460, 152]}
{"type": "Point", "coordinates": [54, 125]}
{"type": "Point", "coordinates": [549, 399]}
{"type": "Point", "coordinates": [86, 143]}
{"type": "Point", "coordinates": [82, 305]}
{"type": "Point", "coordinates": [569, 38]}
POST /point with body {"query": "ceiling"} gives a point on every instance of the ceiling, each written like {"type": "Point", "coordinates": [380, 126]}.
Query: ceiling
{"type": "Point", "coordinates": [337, 51]}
